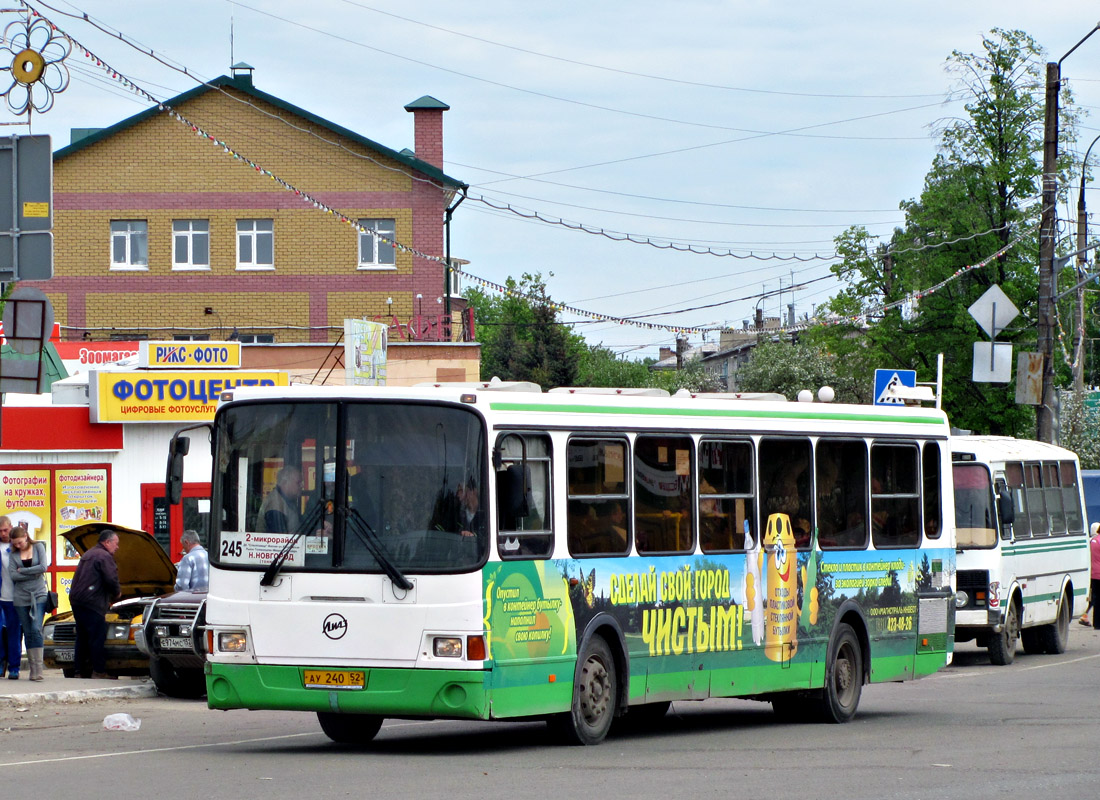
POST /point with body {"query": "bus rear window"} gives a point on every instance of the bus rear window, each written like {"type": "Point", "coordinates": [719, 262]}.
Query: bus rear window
{"type": "Point", "coordinates": [975, 524]}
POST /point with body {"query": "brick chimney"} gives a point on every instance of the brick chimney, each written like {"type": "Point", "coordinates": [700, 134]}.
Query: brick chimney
{"type": "Point", "coordinates": [428, 122]}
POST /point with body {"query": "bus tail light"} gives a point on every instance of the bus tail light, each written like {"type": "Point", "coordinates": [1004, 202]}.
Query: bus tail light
{"type": "Point", "coordinates": [475, 648]}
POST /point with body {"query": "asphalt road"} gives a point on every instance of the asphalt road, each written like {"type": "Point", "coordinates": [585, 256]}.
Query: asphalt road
{"type": "Point", "coordinates": [1027, 730]}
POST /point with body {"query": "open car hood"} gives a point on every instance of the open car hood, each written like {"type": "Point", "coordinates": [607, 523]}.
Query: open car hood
{"type": "Point", "coordinates": [144, 569]}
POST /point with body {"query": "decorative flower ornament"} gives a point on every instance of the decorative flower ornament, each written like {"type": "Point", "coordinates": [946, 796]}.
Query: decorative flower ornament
{"type": "Point", "coordinates": [32, 53]}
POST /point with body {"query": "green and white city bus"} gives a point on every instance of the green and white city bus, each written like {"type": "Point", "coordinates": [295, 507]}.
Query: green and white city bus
{"type": "Point", "coordinates": [1023, 550]}
{"type": "Point", "coordinates": [475, 552]}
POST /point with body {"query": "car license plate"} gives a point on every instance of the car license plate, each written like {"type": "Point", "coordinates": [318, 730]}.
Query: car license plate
{"type": "Point", "coordinates": [334, 679]}
{"type": "Point", "coordinates": [63, 655]}
{"type": "Point", "coordinates": [175, 643]}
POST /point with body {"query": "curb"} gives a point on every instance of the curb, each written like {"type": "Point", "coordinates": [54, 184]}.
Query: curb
{"type": "Point", "coordinates": [80, 695]}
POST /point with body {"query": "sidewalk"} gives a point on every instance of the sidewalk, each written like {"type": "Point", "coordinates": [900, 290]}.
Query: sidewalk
{"type": "Point", "coordinates": [56, 688]}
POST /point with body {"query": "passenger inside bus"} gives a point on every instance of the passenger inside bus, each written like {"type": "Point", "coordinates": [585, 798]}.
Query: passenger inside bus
{"type": "Point", "coordinates": [785, 484]}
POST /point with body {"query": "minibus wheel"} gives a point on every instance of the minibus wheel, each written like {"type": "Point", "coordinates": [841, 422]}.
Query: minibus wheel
{"type": "Point", "coordinates": [1002, 646]}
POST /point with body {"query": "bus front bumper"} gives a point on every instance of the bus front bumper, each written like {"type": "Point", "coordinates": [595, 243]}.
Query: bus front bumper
{"type": "Point", "coordinates": [435, 693]}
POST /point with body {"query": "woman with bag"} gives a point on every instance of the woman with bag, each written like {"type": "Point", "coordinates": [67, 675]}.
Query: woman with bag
{"type": "Point", "coordinates": [26, 568]}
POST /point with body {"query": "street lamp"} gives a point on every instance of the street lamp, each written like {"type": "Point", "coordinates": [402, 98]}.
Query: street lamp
{"type": "Point", "coordinates": [1045, 412]}
{"type": "Point", "coordinates": [1082, 236]}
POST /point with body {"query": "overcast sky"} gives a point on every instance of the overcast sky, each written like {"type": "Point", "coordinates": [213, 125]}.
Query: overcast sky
{"type": "Point", "coordinates": [753, 127]}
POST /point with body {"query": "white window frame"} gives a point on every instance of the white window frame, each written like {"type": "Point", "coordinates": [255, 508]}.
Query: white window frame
{"type": "Point", "coordinates": [369, 244]}
{"type": "Point", "coordinates": [128, 232]}
{"type": "Point", "coordinates": [247, 230]}
{"type": "Point", "coordinates": [186, 230]}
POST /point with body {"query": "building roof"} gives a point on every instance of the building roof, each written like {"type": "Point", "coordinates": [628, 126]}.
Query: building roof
{"type": "Point", "coordinates": [243, 83]}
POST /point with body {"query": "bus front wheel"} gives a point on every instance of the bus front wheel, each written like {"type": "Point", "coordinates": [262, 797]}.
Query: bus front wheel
{"type": "Point", "coordinates": [1002, 646]}
{"type": "Point", "coordinates": [349, 728]}
{"type": "Point", "coordinates": [595, 689]}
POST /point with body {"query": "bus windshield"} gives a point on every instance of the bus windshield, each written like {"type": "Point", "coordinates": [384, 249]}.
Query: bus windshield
{"type": "Point", "coordinates": [404, 493]}
{"type": "Point", "coordinates": [974, 518]}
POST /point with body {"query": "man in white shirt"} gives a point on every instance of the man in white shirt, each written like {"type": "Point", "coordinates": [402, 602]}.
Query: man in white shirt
{"type": "Point", "coordinates": [11, 643]}
{"type": "Point", "coordinates": [193, 574]}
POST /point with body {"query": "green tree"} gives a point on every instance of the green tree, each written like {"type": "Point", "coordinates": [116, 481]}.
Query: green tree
{"type": "Point", "coordinates": [599, 366]}
{"type": "Point", "coordinates": [975, 201]}
{"type": "Point", "coordinates": [788, 368]}
{"type": "Point", "coordinates": [521, 336]}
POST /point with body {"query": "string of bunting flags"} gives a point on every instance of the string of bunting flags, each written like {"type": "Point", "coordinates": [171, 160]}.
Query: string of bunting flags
{"type": "Point", "coordinates": [321, 206]}
{"type": "Point", "coordinates": [910, 300]}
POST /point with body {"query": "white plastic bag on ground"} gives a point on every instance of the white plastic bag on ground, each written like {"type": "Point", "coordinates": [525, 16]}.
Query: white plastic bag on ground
{"type": "Point", "coordinates": [120, 722]}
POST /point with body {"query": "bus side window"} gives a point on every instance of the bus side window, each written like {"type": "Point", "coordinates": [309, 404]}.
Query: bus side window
{"type": "Point", "coordinates": [841, 494]}
{"type": "Point", "coordinates": [726, 512]}
{"type": "Point", "coordinates": [1071, 497]}
{"type": "Point", "coordinates": [1014, 478]}
{"type": "Point", "coordinates": [597, 522]}
{"type": "Point", "coordinates": [895, 497]}
{"type": "Point", "coordinates": [1052, 493]}
{"type": "Point", "coordinates": [786, 478]}
{"type": "Point", "coordinates": [663, 492]}
{"type": "Point", "coordinates": [1033, 479]}
{"type": "Point", "coordinates": [523, 497]}
{"type": "Point", "coordinates": [933, 505]}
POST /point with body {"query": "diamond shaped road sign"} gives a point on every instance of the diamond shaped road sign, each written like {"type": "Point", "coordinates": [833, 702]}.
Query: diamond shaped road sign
{"type": "Point", "coordinates": [994, 311]}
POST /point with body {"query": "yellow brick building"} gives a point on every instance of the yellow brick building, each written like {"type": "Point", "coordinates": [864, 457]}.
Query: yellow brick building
{"type": "Point", "coordinates": [164, 229]}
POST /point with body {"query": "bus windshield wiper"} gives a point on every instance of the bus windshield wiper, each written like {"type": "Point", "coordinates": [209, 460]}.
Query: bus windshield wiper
{"type": "Point", "coordinates": [307, 523]}
{"type": "Point", "coordinates": [369, 538]}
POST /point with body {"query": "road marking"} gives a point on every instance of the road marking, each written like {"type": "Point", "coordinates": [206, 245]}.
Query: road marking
{"type": "Point", "coordinates": [1059, 663]}
{"type": "Point", "coordinates": [979, 673]}
{"type": "Point", "coordinates": [62, 759]}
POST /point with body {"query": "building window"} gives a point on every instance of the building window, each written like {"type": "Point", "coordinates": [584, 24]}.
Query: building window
{"type": "Point", "coordinates": [129, 244]}
{"type": "Point", "coordinates": [373, 252]}
{"type": "Point", "coordinates": [256, 338]}
{"type": "Point", "coordinates": [191, 337]}
{"type": "Point", "coordinates": [255, 244]}
{"type": "Point", "coordinates": [190, 244]}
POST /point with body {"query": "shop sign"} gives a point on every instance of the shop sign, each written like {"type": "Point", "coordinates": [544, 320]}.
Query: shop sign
{"type": "Point", "coordinates": [162, 396]}
{"type": "Point", "coordinates": [184, 355]}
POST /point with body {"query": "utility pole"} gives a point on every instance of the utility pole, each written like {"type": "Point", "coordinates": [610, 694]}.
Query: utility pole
{"type": "Point", "coordinates": [1045, 411]}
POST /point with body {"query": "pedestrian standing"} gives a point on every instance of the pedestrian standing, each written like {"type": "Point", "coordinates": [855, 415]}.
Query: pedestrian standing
{"type": "Point", "coordinates": [193, 574]}
{"type": "Point", "coordinates": [27, 564]}
{"type": "Point", "coordinates": [1094, 584]}
{"type": "Point", "coordinates": [11, 640]}
{"type": "Point", "coordinates": [95, 586]}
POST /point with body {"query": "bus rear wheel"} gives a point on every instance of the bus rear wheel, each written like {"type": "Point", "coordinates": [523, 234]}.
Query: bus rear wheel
{"type": "Point", "coordinates": [1002, 646]}
{"type": "Point", "coordinates": [1054, 637]}
{"type": "Point", "coordinates": [349, 728]}
{"type": "Point", "coordinates": [595, 692]}
{"type": "Point", "coordinates": [843, 676]}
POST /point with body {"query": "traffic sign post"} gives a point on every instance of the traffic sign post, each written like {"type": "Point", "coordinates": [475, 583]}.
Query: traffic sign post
{"type": "Point", "coordinates": [888, 380]}
{"type": "Point", "coordinates": [993, 312]}
{"type": "Point", "coordinates": [26, 209]}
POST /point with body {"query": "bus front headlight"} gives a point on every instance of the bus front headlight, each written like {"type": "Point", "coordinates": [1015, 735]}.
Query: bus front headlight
{"type": "Point", "coordinates": [233, 642]}
{"type": "Point", "coordinates": [447, 647]}
{"type": "Point", "coordinates": [961, 599]}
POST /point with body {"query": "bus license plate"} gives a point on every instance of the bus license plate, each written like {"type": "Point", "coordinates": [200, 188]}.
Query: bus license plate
{"type": "Point", "coordinates": [63, 655]}
{"type": "Point", "coordinates": [334, 679]}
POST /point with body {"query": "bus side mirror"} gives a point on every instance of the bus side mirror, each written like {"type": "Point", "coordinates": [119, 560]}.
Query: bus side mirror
{"type": "Point", "coordinates": [1005, 508]}
{"type": "Point", "coordinates": [173, 481]}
